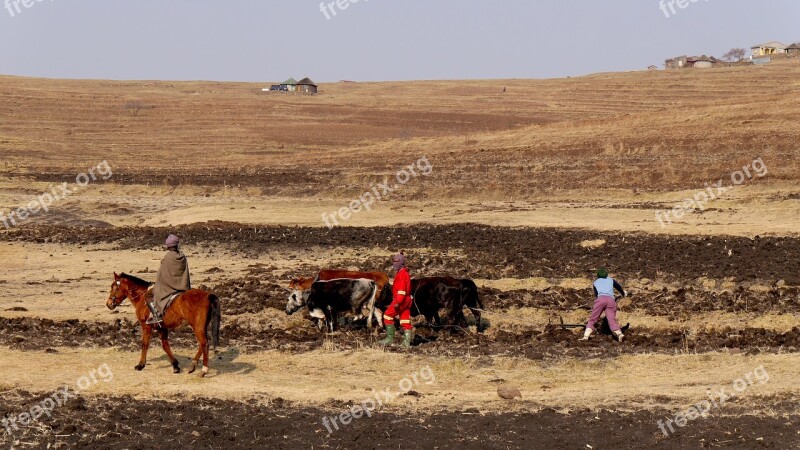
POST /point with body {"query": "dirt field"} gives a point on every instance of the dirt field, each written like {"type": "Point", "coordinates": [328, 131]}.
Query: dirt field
{"type": "Point", "coordinates": [529, 193]}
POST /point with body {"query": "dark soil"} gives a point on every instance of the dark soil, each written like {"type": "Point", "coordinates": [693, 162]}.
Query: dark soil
{"type": "Point", "coordinates": [127, 423]}
{"type": "Point", "coordinates": [673, 303]}
{"type": "Point", "coordinates": [261, 290]}
{"type": "Point", "coordinates": [271, 181]}
{"type": "Point", "coordinates": [549, 342]}
{"type": "Point", "coordinates": [493, 252]}
{"type": "Point", "coordinates": [250, 295]}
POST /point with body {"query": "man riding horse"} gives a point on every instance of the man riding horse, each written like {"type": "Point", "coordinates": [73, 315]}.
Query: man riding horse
{"type": "Point", "coordinates": [173, 278]}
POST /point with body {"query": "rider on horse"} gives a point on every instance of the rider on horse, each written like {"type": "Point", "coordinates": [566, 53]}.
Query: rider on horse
{"type": "Point", "coordinates": [173, 278]}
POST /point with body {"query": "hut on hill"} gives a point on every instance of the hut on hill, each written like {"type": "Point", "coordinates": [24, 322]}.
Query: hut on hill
{"type": "Point", "coordinates": [289, 85]}
{"type": "Point", "coordinates": [306, 86]}
{"type": "Point", "coordinates": [701, 62]}
{"type": "Point", "coordinates": [675, 63]}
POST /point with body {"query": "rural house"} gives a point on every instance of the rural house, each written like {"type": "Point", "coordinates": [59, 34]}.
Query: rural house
{"type": "Point", "coordinates": [770, 48]}
{"type": "Point", "coordinates": [289, 85]}
{"type": "Point", "coordinates": [701, 62]}
{"type": "Point", "coordinates": [687, 62]}
{"type": "Point", "coordinates": [793, 49]}
{"type": "Point", "coordinates": [306, 86]}
{"type": "Point", "coordinates": [675, 63]}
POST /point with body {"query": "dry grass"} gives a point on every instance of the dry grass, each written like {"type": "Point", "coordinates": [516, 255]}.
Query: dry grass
{"type": "Point", "coordinates": [753, 210]}
{"type": "Point", "coordinates": [638, 382]}
{"type": "Point", "coordinates": [641, 130]}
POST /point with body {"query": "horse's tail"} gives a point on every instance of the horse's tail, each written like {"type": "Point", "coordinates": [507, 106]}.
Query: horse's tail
{"type": "Point", "coordinates": [214, 319]}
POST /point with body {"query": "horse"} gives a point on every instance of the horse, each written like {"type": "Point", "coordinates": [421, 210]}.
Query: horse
{"type": "Point", "coordinates": [199, 308]}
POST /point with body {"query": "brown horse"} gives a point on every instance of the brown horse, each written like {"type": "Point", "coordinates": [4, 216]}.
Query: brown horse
{"type": "Point", "coordinates": [199, 308]}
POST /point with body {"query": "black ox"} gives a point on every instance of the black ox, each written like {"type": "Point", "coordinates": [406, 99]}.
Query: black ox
{"type": "Point", "coordinates": [326, 299]}
{"type": "Point", "coordinates": [432, 294]}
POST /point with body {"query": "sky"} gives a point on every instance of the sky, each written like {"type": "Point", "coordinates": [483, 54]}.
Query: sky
{"type": "Point", "coordinates": [373, 40]}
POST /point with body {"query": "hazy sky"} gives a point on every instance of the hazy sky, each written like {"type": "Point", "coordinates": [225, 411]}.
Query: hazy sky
{"type": "Point", "coordinates": [270, 40]}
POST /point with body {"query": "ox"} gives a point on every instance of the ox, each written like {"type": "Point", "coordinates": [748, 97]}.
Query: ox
{"type": "Point", "coordinates": [299, 286]}
{"type": "Point", "coordinates": [435, 293]}
{"type": "Point", "coordinates": [326, 299]}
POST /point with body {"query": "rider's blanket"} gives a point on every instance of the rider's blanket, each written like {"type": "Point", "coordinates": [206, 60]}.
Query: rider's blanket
{"type": "Point", "coordinates": [173, 278]}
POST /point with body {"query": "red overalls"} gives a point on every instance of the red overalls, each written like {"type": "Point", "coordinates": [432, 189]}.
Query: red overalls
{"type": "Point", "coordinates": [401, 303]}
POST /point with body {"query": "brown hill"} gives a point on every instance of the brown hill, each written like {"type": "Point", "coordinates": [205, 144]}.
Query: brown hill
{"type": "Point", "coordinates": [638, 130]}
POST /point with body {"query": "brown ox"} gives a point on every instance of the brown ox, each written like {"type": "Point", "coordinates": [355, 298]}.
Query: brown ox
{"type": "Point", "coordinates": [298, 286]}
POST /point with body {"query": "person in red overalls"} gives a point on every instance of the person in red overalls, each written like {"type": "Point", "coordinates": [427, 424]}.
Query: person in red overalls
{"type": "Point", "coordinates": [401, 303]}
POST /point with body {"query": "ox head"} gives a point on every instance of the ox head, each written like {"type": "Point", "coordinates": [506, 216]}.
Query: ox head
{"type": "Point", "coordinates": [297, 299]}
{"type": "Point", "coordinates": [298, 294]}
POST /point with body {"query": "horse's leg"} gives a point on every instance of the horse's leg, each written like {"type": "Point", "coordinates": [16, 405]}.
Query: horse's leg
{"type": "Point", "coordinates": [165, 345]}
{"type": "Point", "coordinates": [196, 356]}
{"type": "Point", "coordinates": [202, 340]}
{"type": "Point", "coordinates": [204, 346]}
{"type": "Point", "coordinates": [147, 331]}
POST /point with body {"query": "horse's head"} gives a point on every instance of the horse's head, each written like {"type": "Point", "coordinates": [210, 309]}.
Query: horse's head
{"type": "Point", "coordinates": [119, 292]}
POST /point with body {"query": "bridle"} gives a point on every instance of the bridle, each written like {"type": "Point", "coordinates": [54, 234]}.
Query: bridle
{"type": "Point", "coordinates": [116, 302]}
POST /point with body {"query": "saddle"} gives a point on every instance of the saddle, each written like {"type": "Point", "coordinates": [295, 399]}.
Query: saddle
{"type": "Point", "coordinates": [149, 298]}
{"type": "Point", "coordinates": [170, 300]}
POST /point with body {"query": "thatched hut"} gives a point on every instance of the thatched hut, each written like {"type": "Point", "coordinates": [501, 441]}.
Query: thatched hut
{"type": "Point", "coordinates": [678, 62]}
{"type": "Point", "coordinates": [306, 86]}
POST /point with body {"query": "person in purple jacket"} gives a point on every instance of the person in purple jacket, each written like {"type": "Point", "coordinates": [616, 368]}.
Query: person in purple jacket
{"type": "Point", "coordinates": [604, 288]}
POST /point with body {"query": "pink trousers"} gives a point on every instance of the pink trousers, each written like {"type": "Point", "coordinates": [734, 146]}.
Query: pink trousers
{"type": "Point", "coordinates": [607, 304]}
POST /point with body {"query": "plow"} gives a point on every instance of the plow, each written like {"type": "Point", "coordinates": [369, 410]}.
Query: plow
{"type": "Point", "coordinates": [603, 327]}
